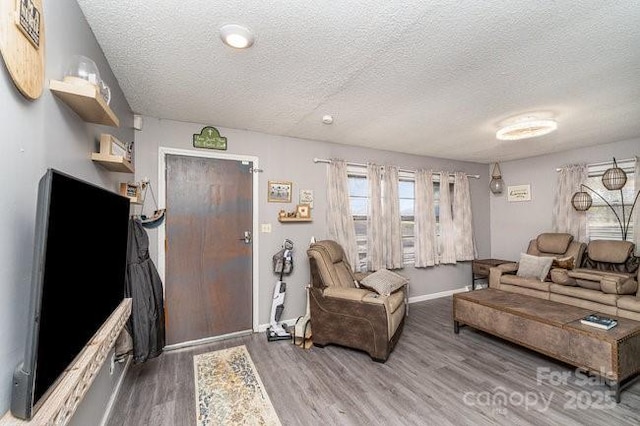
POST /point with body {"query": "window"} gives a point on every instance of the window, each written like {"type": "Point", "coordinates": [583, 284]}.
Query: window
{"type": "Point", "coordinates": [601, 222]}
{"type": "Point", "coordinates": [359, 203]}
{"type": "Point", "coordinates": [406, 193]}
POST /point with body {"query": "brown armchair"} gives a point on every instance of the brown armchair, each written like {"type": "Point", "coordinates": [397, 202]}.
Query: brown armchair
{"type": "Point", "coordinates": [345, 315]}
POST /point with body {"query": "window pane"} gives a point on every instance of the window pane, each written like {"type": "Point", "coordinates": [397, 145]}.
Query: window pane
{"type": "Point", "coordinates": [358, 186]}
{"type": "Point", "coordinates": [406, 207]}
{"type": "Point", "coordinates": [405, 189]}
{"type": "Point", "coordinates": [408, 229]}
{"type": "Point", "coordinates": [359, 206]}
{"type": "Point", "coordinates": [601, 221]}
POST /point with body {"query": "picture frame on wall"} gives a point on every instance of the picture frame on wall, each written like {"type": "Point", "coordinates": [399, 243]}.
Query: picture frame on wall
{"type": "Point", "coordinates": [303, 211]}
{"type": "Point", "coordinates": [517, 193]}
{"type": "Point", "coordinates": [306, 197]}
{"type": "Point", "coordinates": [279, 191]}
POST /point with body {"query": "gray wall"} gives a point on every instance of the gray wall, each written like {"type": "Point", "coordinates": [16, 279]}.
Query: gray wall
{"type": "Point", "coordinates": [291, 159]}
{"type": "Point", "coordinates": [514, 224]}
{"type": "Point", "coordinates": [37, 135]}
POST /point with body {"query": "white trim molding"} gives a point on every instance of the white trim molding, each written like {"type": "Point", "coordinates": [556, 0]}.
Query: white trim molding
{"type": "Point", "coordinates": [438, 295]}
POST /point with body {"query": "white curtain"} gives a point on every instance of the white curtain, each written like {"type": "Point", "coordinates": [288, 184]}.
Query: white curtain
{"type": "Point", "coordinates": [339, 219]}
{"type": "Point", "coordinates": [636, 210]}
{"type": "Point", "coordinates": [462, 218]}
{"type": "Point", "coordinates": [565, 217]}
{"type": "Point", "coordinates": [425, 221]}
{"type": "Point", "coordinates": [447, 234]}
{"type": "Point", "coordinates": [391, 218]}
{"type": "Point", "coordinates": [375, 237]}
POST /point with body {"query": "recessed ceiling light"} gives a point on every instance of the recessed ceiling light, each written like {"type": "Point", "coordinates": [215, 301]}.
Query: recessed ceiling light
{"type": "Point", "coordinates": [530, 127]}
{"type": "Point", "coordinates": [236, 36]}
{"type": "Point", "coordinates": [327, 119]}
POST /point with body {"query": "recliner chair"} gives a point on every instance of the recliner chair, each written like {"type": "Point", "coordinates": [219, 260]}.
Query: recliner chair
{"type": "Point", "coordinates": [345, 315]}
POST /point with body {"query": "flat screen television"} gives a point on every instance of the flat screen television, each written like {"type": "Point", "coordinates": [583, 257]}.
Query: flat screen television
{"type": "Point", "coordinates": [77, 281]}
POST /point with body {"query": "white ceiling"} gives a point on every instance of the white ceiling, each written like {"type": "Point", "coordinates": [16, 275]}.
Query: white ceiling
{"type": "Point", "coordinates": [423, 77]}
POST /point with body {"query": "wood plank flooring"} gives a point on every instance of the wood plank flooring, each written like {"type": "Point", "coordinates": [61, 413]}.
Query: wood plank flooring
{"type": "Point", "coordinates": [432, 377]}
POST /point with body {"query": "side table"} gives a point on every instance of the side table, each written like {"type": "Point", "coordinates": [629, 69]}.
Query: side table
{"type": "Point", "coordinates": [480, 269]}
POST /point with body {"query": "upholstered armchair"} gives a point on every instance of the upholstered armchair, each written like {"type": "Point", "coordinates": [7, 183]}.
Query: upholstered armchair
{"type": "Point", "coordinates": [345, 315]}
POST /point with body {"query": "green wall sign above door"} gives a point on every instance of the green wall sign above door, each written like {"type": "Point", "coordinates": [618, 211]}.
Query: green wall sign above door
{"type": "Point", "coordinates": [209, 138]}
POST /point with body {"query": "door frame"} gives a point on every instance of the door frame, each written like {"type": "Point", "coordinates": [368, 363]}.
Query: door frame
{"type": "Point", "coordinates": [162, 188]}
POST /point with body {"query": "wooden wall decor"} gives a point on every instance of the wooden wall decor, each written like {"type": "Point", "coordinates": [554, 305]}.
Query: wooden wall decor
{"type": "Point", "coordinates": [22, 41]}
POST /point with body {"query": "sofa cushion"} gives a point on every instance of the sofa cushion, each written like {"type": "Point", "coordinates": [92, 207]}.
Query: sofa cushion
{"type": "Point", "coordinates": [384, 281]}
{"type": "Point", "coordinates": [609, 251]}
{"type": "Point", "coordinates": [533, 283]}
{"type": "Point", "coordinates": [585, 294]}
{"type": "Point", "coordinates": [629, 303]}
{"type": "Point", "coordinates": [560, 276]}
{"type": "Point", "coordinates": [583, 303]}
{"type": "Point", "coordinates": [555, 243]}
{"type": "Point", "coordinates": [618, 285]}
{"type": "Point", "coordinates": [567, 262]}
{"type": "Point", "coordinates": [534, 266]}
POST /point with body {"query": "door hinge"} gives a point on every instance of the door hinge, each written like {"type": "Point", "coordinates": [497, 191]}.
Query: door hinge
{"type": "Point", "coordinates": [254, 170]}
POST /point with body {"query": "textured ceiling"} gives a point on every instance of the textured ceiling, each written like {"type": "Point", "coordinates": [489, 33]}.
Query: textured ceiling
{"type": "Point", "coordinates": [424, 77]}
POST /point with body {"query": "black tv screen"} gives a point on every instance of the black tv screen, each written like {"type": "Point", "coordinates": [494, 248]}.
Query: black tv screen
{"type": "Point", "coordinates": [77, 279]}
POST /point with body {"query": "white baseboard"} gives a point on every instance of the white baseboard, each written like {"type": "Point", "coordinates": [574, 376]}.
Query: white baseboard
{"type": "Point", "coordinates": [437, 295]}
{"type": "Point", "coordinates": [290, 322]}
{"type": "Point", "coordinates": [116, 391]}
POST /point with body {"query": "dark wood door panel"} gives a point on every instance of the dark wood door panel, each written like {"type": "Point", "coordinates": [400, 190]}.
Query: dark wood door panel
{"type": "Point", "coordinates": [208, 266]}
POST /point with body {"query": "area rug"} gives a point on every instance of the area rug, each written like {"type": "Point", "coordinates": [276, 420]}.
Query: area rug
{"type": "Point", "coordinates": [229, 390]}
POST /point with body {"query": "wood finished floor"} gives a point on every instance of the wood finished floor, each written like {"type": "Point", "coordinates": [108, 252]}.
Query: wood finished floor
{"type": "Point", "coordinates": [433, 377]}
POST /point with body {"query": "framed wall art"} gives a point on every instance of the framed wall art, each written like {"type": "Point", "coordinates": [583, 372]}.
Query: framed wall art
{"type": "Point", "coordinates": [279, 192]}
{"type": "Point", "coordinates": [306, 197]}
{"type": "Point", "coordinates": [303, 211]}
{"type": "Point", "coordinates": [519, 193]}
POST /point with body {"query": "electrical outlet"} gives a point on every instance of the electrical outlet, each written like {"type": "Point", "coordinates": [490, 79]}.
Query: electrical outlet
{"type": "Point", "coordinates": [265, 227]}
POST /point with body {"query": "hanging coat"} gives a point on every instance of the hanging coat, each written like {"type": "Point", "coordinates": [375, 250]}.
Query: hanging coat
{"type": "Point", "coordinates": [143, 285]}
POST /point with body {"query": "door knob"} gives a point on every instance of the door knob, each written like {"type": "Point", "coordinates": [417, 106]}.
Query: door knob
{"type": "Point", "coordinates": [246, 238]}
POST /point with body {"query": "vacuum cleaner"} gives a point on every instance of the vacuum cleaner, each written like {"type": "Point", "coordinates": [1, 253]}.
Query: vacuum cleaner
{"type": "Point", "coordinates": [283, 265]}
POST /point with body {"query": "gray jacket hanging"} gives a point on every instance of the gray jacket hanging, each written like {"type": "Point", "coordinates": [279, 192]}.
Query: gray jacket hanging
{"type": "Point", "coordinates": [143, 285]}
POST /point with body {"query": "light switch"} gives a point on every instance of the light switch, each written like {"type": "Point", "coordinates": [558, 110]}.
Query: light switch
{"type": "Point", "coordinates": [265, 227]}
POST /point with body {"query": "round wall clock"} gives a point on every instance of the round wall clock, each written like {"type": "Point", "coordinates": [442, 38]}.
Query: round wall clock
{"type": "Point", "coordinates": [22, 44]}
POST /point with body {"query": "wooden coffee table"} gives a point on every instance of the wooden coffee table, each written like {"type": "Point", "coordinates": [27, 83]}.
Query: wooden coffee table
{"type": "Point", "coordinates": [554, 329]}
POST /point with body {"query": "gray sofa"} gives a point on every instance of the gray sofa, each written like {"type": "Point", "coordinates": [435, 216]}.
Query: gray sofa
{"type": "Point", "coordinates": [608, 284]}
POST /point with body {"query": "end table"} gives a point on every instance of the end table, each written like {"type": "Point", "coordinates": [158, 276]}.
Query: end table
{"type": "Point", "coordinates": [480, 268]}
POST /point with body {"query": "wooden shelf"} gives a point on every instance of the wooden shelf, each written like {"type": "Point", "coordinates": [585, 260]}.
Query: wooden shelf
{"type": "Point", "coordinates": [65, 396]}
{"type": "Point", "coordinates": [114, 163]}
{"type": "Point", "coordinates": [86, 101]}
{"type": "Point", "coordinates": [295, 219]}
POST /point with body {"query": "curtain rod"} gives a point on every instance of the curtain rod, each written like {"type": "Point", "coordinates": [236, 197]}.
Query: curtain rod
{"type": "Point", "coordinates": [605, 163]}
{"type": "Point", "coordinates": [322, 160]}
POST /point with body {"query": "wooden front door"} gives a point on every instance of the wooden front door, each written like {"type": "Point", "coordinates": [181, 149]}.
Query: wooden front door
{"type": "Point", "coordinates": [208, 279]}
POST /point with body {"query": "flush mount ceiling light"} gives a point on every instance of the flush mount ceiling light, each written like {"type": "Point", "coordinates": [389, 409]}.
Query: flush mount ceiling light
{"type": "Point", "coordinates": [529, 127]}
{"type": "Point", "coordinates": [236, 36]}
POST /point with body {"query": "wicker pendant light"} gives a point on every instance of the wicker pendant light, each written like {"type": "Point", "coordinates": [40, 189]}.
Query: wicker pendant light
{"type": "Point", "coordinates": [614, 178]}
{"type": "Point", "coordinates": [581, 201]}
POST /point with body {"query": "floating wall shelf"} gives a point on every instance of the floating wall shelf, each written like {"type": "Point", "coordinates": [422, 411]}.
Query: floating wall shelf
{"type": "Point", "coordinates": [114, 163]}
{"type": "Point", "coordinates": [294, 219]}
{"type": "Point", "coordinates": [86, 101]}
{"type": "Point", "coordinates": [112, 155]}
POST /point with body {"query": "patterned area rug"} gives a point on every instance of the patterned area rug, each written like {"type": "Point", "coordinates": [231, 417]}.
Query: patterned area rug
{"type": "Point", "coordinates": [229, 390]}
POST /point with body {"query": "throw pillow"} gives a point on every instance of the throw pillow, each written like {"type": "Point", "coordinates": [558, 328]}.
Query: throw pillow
{"type": "Point", "coordinates": [534, 266]}
{"type": "Point", "coordinates": [563, 262]}
{"type": "Point", "coordinates": [384, 281]}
